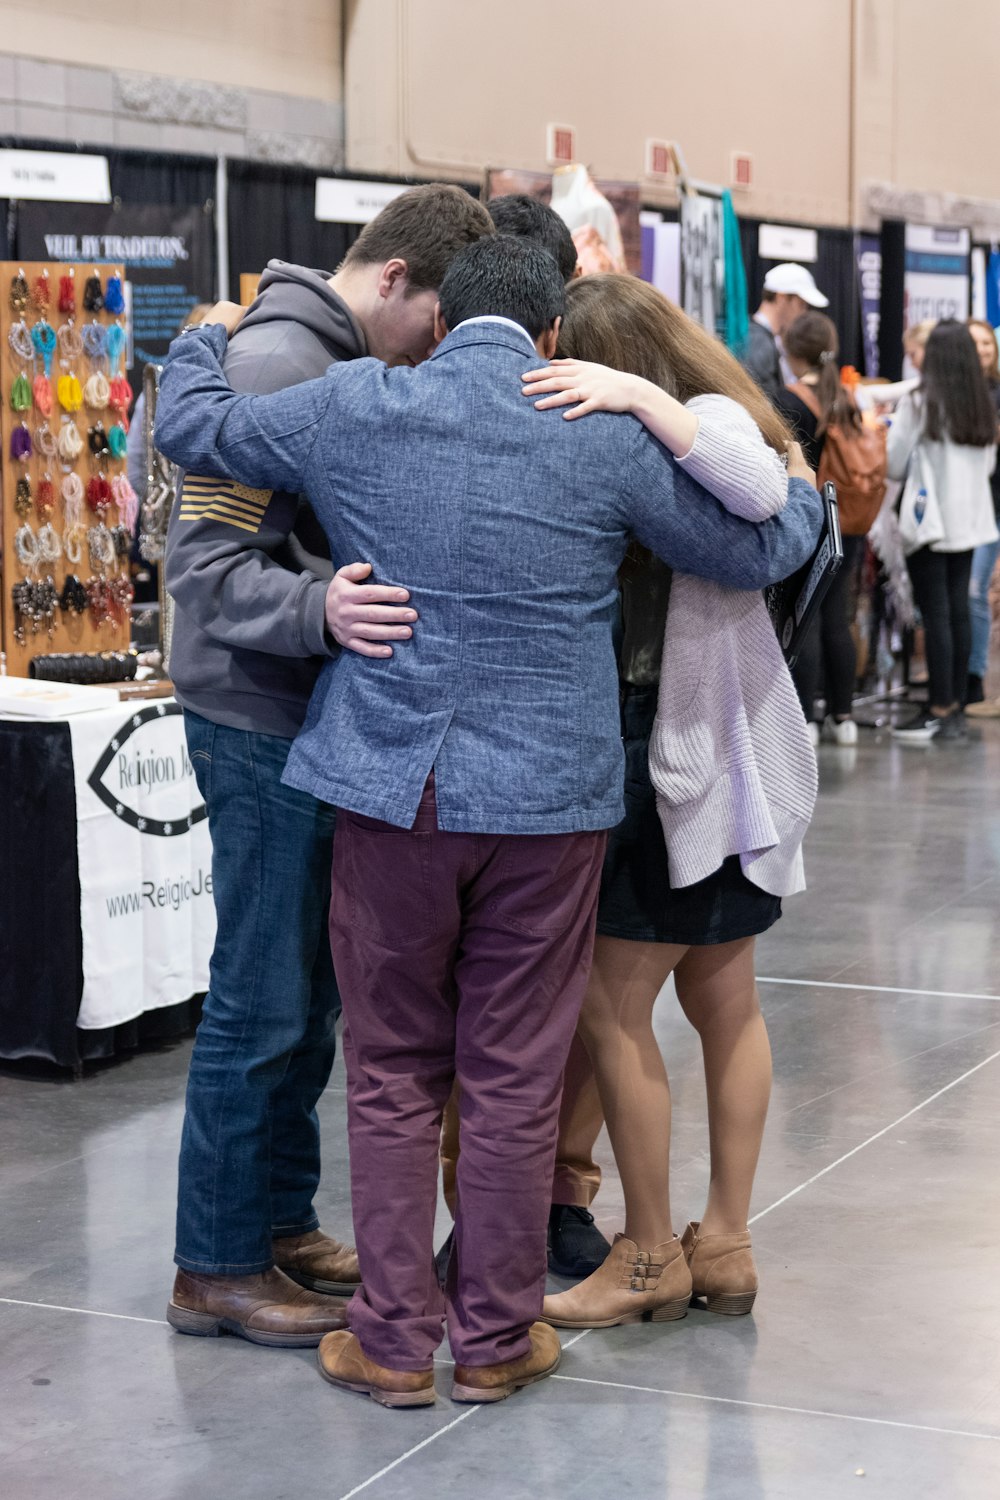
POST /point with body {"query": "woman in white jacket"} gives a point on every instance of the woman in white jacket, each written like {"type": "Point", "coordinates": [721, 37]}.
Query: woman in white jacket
{"type": "Point", "coordinates": [949, 427]}
{"type": "Point", "coordinates": [720, 784]}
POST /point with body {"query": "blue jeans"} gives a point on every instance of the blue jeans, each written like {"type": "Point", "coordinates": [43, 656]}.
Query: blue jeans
{"type": "Point", "coordinates": [250, 1151]}
{"type": "Point", "coordinates": [983, 562]}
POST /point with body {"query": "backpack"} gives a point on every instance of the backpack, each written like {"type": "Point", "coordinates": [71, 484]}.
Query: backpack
{"type": "Point", "coordinates": [855, 462]}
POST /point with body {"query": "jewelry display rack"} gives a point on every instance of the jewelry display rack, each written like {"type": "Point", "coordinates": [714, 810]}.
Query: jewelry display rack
{"type": "Point", "coordinates": [68, 509]}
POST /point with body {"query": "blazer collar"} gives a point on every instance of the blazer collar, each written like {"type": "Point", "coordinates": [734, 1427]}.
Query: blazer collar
{"type": "Point", "coordinates": [485, 333]}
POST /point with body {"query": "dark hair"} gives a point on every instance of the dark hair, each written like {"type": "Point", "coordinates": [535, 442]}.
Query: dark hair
{"type": "Point", "coordinates": [957, 403]}
{"type": "Point", "coordinates": [507, 278]}
{"type": "Point", "coordinates": [813, 338]}
{"type": "Point", "coordinates": [529, 218]}
{"type": "Point", "coordinates": [425, 226]}
{"type": "Point", "coordinates": [618, 320]}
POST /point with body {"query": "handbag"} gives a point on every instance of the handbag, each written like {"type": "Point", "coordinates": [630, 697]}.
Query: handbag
{"type": "Point", "coordinates": [794, 604]}
{"type": "Point", "coordinates": [920, 523]}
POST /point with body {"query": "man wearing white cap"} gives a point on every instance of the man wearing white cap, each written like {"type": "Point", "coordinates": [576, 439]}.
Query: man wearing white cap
{"type": "Point", "coordinates": [788, 291]}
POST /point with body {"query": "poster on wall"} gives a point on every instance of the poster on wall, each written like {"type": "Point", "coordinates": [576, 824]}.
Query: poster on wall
{"type": "Point", "coordinates": [661, 254]}
{"type": "Point", "coordinates": [703, 275]}
{"type": "Point", "coordinates": [936, 280]}
{"type": "Point", "coordinates": [622, 196]}
{"type": "Point", "coordinates": [868, 252]}
{"type": "Point", "coordinates": [168, 253]}
{"type": "Point", "coordinates": [145, 857]}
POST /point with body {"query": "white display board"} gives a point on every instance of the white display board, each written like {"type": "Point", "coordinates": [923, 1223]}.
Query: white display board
{"type": "Point", "coordinates": [146, 910]}
{"type": "Point", "coordinates": [936, 282]}
{"type": "Point", "coordinates": [57, 176]}
{"type": "Point", "coordinates": [341, 202]}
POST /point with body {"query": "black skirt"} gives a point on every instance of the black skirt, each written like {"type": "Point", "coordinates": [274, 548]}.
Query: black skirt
{"type": "Point", "coordinates": [636, 900]}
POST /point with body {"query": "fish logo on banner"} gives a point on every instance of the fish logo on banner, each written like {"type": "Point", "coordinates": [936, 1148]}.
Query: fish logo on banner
{"type": "Point", "coordinates": [127, 771]}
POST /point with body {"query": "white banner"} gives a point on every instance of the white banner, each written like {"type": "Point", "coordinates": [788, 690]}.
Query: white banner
{"type": "Point", "coordinates": [783, 242]}
{"type": "Point", "coordinates": [340, 201]}
{"type": "Point", "coordinates": [146, 909]}
{"type": "Point", "coordinates": [57, 176]}
{"type": "Point", "coordinates": [936, 282]}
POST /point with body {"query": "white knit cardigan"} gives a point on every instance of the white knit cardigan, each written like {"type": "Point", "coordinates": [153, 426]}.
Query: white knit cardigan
{"type": "Point", "coordinates": [730, 756]}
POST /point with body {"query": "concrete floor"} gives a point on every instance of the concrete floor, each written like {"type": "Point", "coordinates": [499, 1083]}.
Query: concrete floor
{"type": "Point", "coordinates": [870, 1365]}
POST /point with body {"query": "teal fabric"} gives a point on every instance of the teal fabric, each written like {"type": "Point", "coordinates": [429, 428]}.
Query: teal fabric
{"type": "Point", "coordinates": [737, 305]}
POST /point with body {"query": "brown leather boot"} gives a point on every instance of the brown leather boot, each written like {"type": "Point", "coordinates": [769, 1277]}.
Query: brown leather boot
{"type": "Point", "coordinates": [343, 1362]}
{"type": "Point", "coordinates": [265, 1308]}
{"type": "Point", "coordinates": [476, 1383]}
{"type": "Point", "coordinates": [316, 1261]}
{"type": "Point", "coordinates": [722, 1269]}
{"type": "Point", "coordinates": [632, 1286]}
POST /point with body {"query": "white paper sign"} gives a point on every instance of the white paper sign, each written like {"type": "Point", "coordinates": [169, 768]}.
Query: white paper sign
{"type": "Point", "coordinates": [60, 176]}
{"type": "Point", "coordinates": [146, 909]}
{"type": "Point", "coordinates": [342, 202]}
{"type": "Point", "coordinates": [782, 242]}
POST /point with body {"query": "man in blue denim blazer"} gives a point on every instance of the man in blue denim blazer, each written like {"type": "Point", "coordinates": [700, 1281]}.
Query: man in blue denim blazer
{"type": "Point", "coordinates": [477, 772]}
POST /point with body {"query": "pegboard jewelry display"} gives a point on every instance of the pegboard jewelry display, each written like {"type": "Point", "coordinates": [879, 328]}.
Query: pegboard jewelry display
{"type": "Point", "coordinates": [69, 512]}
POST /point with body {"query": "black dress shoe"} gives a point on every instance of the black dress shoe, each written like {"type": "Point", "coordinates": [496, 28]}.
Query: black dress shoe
{"type": "Point", "coordinates": [576, 1246]}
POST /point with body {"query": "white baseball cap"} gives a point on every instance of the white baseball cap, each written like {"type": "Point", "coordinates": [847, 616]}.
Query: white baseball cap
{"type": "Point", "coordinates": [795, 281]}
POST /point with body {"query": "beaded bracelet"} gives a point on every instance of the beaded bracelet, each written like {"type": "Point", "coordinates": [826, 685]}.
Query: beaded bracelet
{"type": "Point", "coordinates": [26, 546]}
{"type": "Point", "coordinates": [70, 342]}
{"type": "Point", "coordinates": [49, 545]}
{"type": "Point", "coordinates": [67, 292]}
{"type": "Point", "coordinates": [96, 391]}
{"type": "Point", "coordinates": [20, 341]}
{"type": "Point", "coordinates": [70, 442]}
{"type": "Point", "coordinates": [43, 339]}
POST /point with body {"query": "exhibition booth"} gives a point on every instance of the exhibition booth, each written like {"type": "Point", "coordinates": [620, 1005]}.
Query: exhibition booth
{"type": "Point", "coordinates": [106, 892]}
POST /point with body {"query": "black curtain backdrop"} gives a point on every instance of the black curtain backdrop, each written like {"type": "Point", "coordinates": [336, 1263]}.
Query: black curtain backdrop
{"type": "Point", "coordinates": [136, 177]}
{"type": "Point", "coordinates": [835, 273]}
{"type": "Point", "coordinates": [272, 216]}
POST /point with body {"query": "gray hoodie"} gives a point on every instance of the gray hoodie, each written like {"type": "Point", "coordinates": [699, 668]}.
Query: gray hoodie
{"type": "Point", "coordinates": [249, 633]}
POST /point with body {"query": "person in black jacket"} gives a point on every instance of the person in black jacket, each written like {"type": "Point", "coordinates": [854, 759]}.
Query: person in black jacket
{"type": "Point", "coordinates": [816, 399]}
{"type": "Point", "coordinates": [789, 291]}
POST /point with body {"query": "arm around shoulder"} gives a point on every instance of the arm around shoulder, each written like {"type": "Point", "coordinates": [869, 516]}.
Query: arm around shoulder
{"type": "Point", "coordinates": [203, 425]}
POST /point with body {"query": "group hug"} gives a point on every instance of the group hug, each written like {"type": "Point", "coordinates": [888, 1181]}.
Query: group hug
{"type": "Point", "coordinates": [495, 736]}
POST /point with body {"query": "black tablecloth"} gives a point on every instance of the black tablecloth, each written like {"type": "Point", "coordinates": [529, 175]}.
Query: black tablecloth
{"type": "Point", "coordinates": [41, 946]}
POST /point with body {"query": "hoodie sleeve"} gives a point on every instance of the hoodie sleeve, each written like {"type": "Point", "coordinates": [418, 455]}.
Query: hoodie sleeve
{"type": "Point", "coordinates": [221, 563]}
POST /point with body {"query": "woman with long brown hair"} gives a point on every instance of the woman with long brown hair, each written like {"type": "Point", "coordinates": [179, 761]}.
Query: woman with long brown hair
{"type": "Point", "coordinates": [698, 866]}
{"type": "Point", "coordinates": [816, 402]}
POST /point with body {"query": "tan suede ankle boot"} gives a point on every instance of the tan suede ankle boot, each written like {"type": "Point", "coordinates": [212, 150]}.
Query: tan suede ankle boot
{"type": "Point", "coordinates": [632, 1286]}
{"type": "Point", "coordinates": [722, 1269]}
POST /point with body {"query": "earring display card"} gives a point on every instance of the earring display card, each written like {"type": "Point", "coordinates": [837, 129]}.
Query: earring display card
{"type": "Point", "coordinates": [68, 509]}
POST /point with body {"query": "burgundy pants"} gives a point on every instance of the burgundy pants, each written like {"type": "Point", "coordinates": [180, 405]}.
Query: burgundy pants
{"type": "Point", "coordinates": [463, 956]}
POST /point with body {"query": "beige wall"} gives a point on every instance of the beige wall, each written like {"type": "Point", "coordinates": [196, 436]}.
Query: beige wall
{"type": "Point", "coordinates": [432, 85]}
{"type": "Point", "coordinates": [928, 97]}
{"type": "Point", "coordinates": [288, 46]}
{"type": "Point", "coordinates": [828, 95]}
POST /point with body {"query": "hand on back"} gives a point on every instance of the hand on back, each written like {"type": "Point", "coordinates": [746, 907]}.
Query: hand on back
{"type": "Point", "coordinates": [583, 386]}
{"type": "Point", "coordinates": [364, 617]}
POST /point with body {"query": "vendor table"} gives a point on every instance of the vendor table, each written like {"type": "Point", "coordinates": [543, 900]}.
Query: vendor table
{"type": "Point", "coordinates": [106, 914]}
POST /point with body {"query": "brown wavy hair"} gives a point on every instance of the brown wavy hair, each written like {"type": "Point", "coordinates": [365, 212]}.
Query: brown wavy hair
{"type": "Point", "coordinates": [813, 339]}
{"type": "Point", "coordinates": [617, 320]}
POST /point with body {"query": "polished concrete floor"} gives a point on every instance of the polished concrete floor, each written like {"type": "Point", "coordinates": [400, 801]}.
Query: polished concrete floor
{"type": "Point", "coordinates": [869, 1367]}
